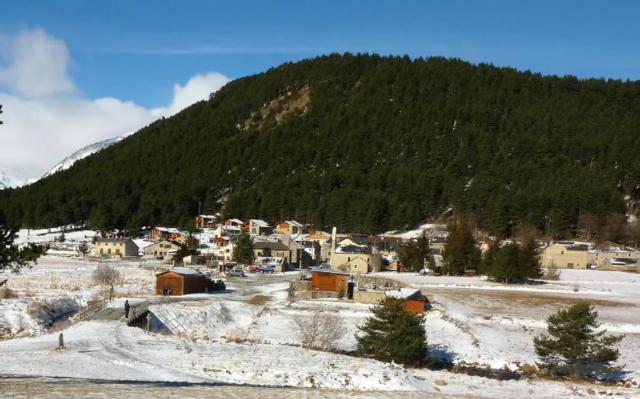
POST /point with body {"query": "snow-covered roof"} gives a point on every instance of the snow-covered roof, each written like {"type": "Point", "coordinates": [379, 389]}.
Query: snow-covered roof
{"type": "Point", "coordinates": [293, 223]}
{"type": "Point", "coordinates": [352, 249]}
{"type": "Point", "coordinates": [236, 221]}
{"type": "Point", "coordinates": [167, 229]}
{"type": "Point", "coordinates": [207, 216]}
{"type": "Point", "coordinates": [403, 293]}
{"type": "Point", "coordinates": [260, 222]}
{"type": "Point", "coordinates": [185, 270]}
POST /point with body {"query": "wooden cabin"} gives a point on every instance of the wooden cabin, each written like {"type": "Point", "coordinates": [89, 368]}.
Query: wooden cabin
{"type": "Point", "coordinates": [414, 300]}
{"type": "Point", "coordinates": [322, 280]}
{"type": "Point", "coordinates": [182, 281]}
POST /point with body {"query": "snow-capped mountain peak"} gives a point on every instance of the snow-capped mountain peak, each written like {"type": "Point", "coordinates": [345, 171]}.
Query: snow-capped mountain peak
{"type": "Point", "coordinates": [83, 153]}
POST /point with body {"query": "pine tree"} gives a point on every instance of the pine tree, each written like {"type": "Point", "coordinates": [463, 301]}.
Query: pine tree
{"type": "Point", "coordinates": [489, 257]}
{"type": "Point", "coordinates": [460, 251]}
{"type": "Point", "coordinates": [14, 257]}
{"type": "Point", "coordinates": [530, 260]}
{"type": "Point", "coordinates": [393, 334]}
{"type": "Point", "coordinates": [512, 262]}
{"type": "Point", "coordinates": [414, 254]}
{"type": "Point", "coordinates": [243, 249]}
{"type": "Point", "coordinates": [574, 345]}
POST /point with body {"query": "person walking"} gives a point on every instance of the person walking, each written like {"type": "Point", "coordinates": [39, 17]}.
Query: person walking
{"type": "Point", "coordinates": [126, 308]}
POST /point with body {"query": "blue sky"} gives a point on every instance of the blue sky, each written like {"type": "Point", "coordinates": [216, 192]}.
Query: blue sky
{"type": "Point", "coordinates": [137, 50]}
{"type": "Point", "coordinates": [75, 72]}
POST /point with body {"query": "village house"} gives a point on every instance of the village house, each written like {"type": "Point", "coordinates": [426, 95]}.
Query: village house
{"type": "Point", "coordinates": [274, 249]}
{"type": "Point", "coordinates": [355, 259]}
{"type": "Point", "coordinates": [222, 250]}
{"type": "Point", "coordinates": [166, 233]}
{"type": "Point", "coordinates": [567, 255]}
{"type": "Point", "coordinates": [116, 247]}
{"type": "Point", "coordinates": [290, 227]}
{"type": "Point", "coordinates": [258, 227]}
{"type": "Point", "coordinates": [311, 248]}
{"type": "Point", "coordinates": [205, 221]}
{"type": "Point", "coordinates": [612, 256]}
{"type": "Point", "coordinates": [225, 231]}
{"type": "Point", "coordinates": [182, 281]}
{"type": "Point", "coordinates": [163, 250]}
{"type": "Point", "coordinates": [234, 222]}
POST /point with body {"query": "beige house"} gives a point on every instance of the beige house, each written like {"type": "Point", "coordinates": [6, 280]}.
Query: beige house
{"type": "Point", "coordinates": [355, 259]}
{"type": "Point", "coordinates": [161, 250]}
{"type": "Point", "coordinates": [567, 255]}
{"type": "Point", "coordinates": [116, 247]}
{"type": "Point", "coordinates": [612, 256]}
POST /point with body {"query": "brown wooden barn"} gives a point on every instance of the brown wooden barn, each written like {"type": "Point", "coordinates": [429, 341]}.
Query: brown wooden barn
{"type": "Point", "coordinates": [182, 281]}
{"type": "Point", "coordinates": [322, 280]}
{"type": "Point", "coordinates": [414, 300]}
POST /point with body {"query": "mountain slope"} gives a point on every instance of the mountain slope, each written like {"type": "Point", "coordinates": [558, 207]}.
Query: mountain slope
{"type": "Point", "coordinates": [366, 143]}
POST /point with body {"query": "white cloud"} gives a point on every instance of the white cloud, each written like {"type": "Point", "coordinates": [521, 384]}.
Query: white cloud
{"type": "Point", "coordinates": [197, 88]}
{"type": "Point", "coordinates": [37, 65]}
{"type": "Point", "coordinates": [45, 119]}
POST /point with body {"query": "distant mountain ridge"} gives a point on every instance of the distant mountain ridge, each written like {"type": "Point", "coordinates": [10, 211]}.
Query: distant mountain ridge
{"type": "Point", "coordinates": [366, 143]}
{"type": "Point", "coordinates": [81, 154]}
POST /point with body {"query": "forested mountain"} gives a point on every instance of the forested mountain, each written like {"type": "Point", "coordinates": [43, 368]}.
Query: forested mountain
{"type": "Point", "coordinates": [366, 143]}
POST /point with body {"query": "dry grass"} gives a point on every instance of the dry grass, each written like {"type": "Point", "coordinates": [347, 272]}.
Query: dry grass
{"type": "Point", "coordinates": [8, 293]}
{"type": "Point", "coordinates": [259, 300]}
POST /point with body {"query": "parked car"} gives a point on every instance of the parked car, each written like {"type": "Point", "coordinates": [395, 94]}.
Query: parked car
{"type": "Point", "coordinates": [268, 269]}
{"type": "Point", "coordinates": [236, 273]}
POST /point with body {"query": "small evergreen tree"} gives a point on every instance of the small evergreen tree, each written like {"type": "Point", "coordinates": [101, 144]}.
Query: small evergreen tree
{"type": "Point", "coordinates": [414, 254]}
{"type": "Point", "coordinates": [460, 252]}
{"type": "Point", "coordinates": [14, 257]}
{"type": "Point", "coordinates": [512, 262]}
{"type": "Point", "coordinates": [243, 249]}
{"type": "Point", "coordinates": [489, 257]}
{"type": "Point", "coordinates": [530, 259]}
{"type": "Point", "coordinates": [573, 346]}
{"type": "Point", "coordinates": [393, 334]}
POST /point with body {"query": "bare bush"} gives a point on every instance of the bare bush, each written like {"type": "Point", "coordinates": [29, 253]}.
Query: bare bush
{"type": "Point", "coordinates": [7, 293]}
{"type": "Point", "coordinates": [551, 273]}
{"type": "Point", "coordinates": [321, 330]}
{"type": "Point", "coordinates": [107, 276]}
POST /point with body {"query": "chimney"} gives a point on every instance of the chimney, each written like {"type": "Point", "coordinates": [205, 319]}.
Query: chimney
{"type": "Point", "coordinates": [334, 233]}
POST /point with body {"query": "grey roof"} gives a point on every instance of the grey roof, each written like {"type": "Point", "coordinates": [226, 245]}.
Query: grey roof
{"type": "Point", "coordinates": [272, 245]}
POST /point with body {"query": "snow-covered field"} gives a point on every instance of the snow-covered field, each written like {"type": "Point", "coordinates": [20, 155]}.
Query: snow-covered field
{"type": "Point", "coordinates": [478, 321]}
{"type": "Point", "coordinates": [248, 336]}
{"type": "Point", "coordinates": [58, 285]}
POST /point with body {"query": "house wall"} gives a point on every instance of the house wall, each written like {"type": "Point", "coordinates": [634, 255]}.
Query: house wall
{"type": "Point", "coordinates": [356, 262]}
{"type": "Point", "coordinates": [558, 256]}
{"type": "Point", "coordinates": [602, 259]}
{"type": "Point", "coordinates": [368, 296]}
{"type": "Point", "coordinates": [414, 306]}
{"type": "Point", "coordinates": [170, 281]}
{"type": "Point", "coordinates": [329, 282]}
{"type": "Point", "coordinates": [116, 248]}
{"type": "Point", "coordinates": [161, 250]}
{"type": "Point", "coordinates": [195, 284]}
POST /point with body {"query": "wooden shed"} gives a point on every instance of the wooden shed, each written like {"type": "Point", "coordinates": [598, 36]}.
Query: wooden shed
{"type": "Point", "coordinates": [414, 300]}
{"type": "Point", "coordinates": [182, 281]}
{"type": "Point", "coordinates": [325, 280]}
